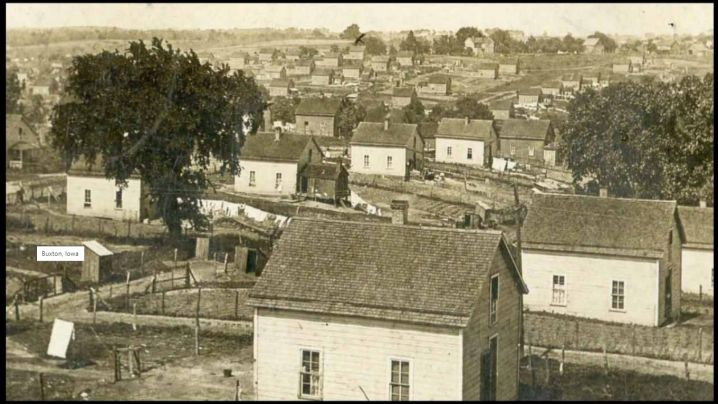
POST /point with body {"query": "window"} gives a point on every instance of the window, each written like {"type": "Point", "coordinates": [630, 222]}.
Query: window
{"type": "Point", "coordinates": [448, 152]}
{"type": "Point", "coordinates": [531, 151]}
{"type": "Point", "coordinates": [252, 179]}
{"type": "Point", "coordinates": [310, 155]}
{"type": "Point", "coordinates": [19, 132]}
{"type": "Point", "coordinates": [366, 161]}
{"type": "Point", "coordinates": [310, 375]}
{"type": "Point", "coordinates": [513, 149]}
{"type": "Point", "coordinates": [617, 295]}
{"type": "Point", "coordinates": [118, 199]}
{"type": "Point", "coordinates": [88, 198]}
{"type": "Point", "coordinates": [559, 290]}
{"type": "Point", "coordinates": [494, 291]}
{"type": "Point", "coordinates": [388, 161]}
{"type": "Point", "coordinates": [278, 181]}
{"type": "Point", "coordinates": [399, 383]}
{"type": "Point", "coordinates": [469, 153]}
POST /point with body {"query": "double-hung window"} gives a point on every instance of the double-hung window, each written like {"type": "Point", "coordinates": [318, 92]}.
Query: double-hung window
{"type": "Point", "coordinates": [513, 149]}
{"type": "Point", "coordinates": [448, 152]}
{"type": "Point", "coordinates": [469, 154]}
{"type": "Point", "coordinates": [88, 198]}
{"type": "Point", "coordinates": [310, 375]}
{"type": "Point", "coordinates": [366, 161]}
{"type": "Point", "coordinates": [118, 199]}
{"type": "Point", "coordinates": [617, 295]}
{"type": "Point", "coordinates": [531, 151]}
{"type": "Point", "coordinates": [558, 296]}
{"type": "Point", "coordinates": [388, 161]}
{"type": "Point", "coordinates": [278, 181]}
{"type": "Point", "coordinates": [399, 383]}
{"type": "Point", "coordinates": [252, 179]}
{"type": "Point", "coordinates": [494, 304]}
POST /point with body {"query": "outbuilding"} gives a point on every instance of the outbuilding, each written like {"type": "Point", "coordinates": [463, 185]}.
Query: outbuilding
{"type": "Point", "coordinates": [97, 265]}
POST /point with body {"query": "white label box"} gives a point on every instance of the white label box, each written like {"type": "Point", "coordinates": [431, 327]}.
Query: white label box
{"type": "Point", "coordinates": [60, 253]}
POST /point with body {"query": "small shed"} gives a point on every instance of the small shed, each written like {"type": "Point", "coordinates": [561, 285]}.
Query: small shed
{"type": "Point", "coordinates": [325, 181]}
{"type": "Point", "coordinates": [97, 265]}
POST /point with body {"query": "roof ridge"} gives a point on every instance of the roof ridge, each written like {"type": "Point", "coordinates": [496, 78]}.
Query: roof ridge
{"type": "Point", "coordinates": [410, 226]}
{"type": "Point", "coordinates": [608, 198]}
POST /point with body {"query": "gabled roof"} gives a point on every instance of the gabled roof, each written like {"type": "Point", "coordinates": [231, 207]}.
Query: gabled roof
{"type": "Point", "coordinates": [274, 68]}
{"type": "Point", "coordinates": [373, 133]}
{"type": "Point", "coordinates": [323, 72]}
{"type": "Point", "coordinates": [439, 79]}
{"type": "Point", "coordinates": [327, 106]}
{"type": "Point", "coordinates": [458, 128]}
{"type": "Point", "coordinates": [616, 226]}
{"type": "Point", "coordinates": [380, 59]}
{"type": "Point", "coordinates": [280, 83]}
{"type": "Point", "coordinates": [402, 91]}
{"type": "Point", "coordinates": [262, 146]}
{"type": "Point", "coordinates": [697, 225]}
{"type": "Point", "coordinates": [591, 41]}
{"type": "Point", "coordinates": [352, 65]}
{"type": "Point", "coordinates": [525, 129]}
{"type": "Point", "coordinates": [405, 54]}
{"type": "Point", "coordinates": [81, 167]}
{"type": "Point", "coordinates": [502, 105]}
{"type": "Point", "coordinates": [332, 55]}
{"type": "Point", "coordinates": [482, 40]}
{"type": "Point", "coordinates": [552, 84]}
{"type": "Point", "coordinates": [379, 270]}
{"type": "Point", "coordinates": [529, 91]}
{"type": "Point", "coordinates": [324, 171]}
{"type": "Point", "coordinates": [97, 248]}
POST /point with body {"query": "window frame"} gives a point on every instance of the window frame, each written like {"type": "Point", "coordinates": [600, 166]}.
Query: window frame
{"type": "Point", "coordinates": [389, 161]}
{"type": "Point", "coordinates": [532, 151]}
{"type": "Point", "coordinates": [390, 384]}
{"type": "Point", "coordinates": [118, 198]}
{"type": "Point", "coordinates": [554, 289]}
{"type": "Point", "coordinates": [88, 198]}
{"type": "Point", "coordinates": [320, 383]}
{"type": "Point", "coordinates": [277, 180]}
{"type": "Point", "coordinates": [512, 149]}
{"type": "Point", "coordinates": [622, 295]}
{"type": "Point", "coordinates": [252, 179]}
{"type": "Point", "coordinates": [494, 308]}
{"type": "Point", "coordinates": [469, 153]}
{"type": "Point", "coordinates": [448, 152]}
{"type": "Point", "coordinates": [366, 161]}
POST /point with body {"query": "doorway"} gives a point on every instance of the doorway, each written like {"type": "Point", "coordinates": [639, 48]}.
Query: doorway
{"type": "Point", "coordinates": [489, 370]}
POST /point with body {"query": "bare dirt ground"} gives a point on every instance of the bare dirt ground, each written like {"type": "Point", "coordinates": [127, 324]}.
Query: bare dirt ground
{"type": "Point", "coordinates": [172, 371]}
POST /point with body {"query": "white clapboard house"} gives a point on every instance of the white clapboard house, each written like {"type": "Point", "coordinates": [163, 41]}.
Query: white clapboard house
{"type": "Point", "coordinates": [697, 256]}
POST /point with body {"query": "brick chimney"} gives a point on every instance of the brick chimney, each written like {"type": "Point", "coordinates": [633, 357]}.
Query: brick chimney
{"type": "Point", "coordinates": [399, 211]}
{"type": "Point", "coordinates": [702, 203]}
{"type": "Point", "coordinates": [603, 192]}
{"type": "Point", "coordinates": [277, 133]}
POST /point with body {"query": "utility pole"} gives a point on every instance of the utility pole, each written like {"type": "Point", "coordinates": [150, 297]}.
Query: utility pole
{"type": "Point", "coordinates": [518, 262]}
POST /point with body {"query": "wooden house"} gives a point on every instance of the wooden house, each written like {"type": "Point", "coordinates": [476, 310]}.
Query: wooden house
{"type": "Point", "coordinates": [466, 141]}
{"type": "Point", "coordinates": [352, 69]}
{"type": "Point", "coordinates": [97, 265]}
{"type": "Point", "coordinates": [502, 109]}
{"type": "Point", "coordinates": [380, 63]}
{"type": "Point", "coordinates": [401, 96]}
{"type": "Point", "coordinates": [356, 53]}
{"type": "Point", "coordinates": [593, 46]}
{"type": "Point", "coordinates": [524, 140]}
{"type": "Point", "coordinates": [238, 60]}
{"type": "Point", "coordinates": [552, 88]}
{"type": "Point", "coordinates": [303, 67]}
{"type": "Point", "coordinates": [330, 59]}
{"type": "Point", "coordinates": [22, 143]}
{"type": "Point", "coordinates": [405, 58]}
{"type": "Point", "coordinates": [386, 149]}
{"type": "Point", "coordinates": [280, 88]}
{"type": "Point", "coordinates": [377, 321]}
{"type": "Point", "coordinates": [292, 54]}
{"type": "Point", "coordinates": [276, 72]}
{"type": "Point", "coordinates": [325, 181]}
{"type": "Point", "coordinates": [427, 131]}
{"type": "Point", "coordinates": [480, 46]}
{"type": "Point", "coordinates": [91, 194]}
{"type": "Point", "coordinates": [439, 84]}
{"type": "Point", "coordinates": [317, 116]}
{"type": "Point", "coordinates": [265, 55]}
{"type": "Point", "coordinates": [323, 77]}
{"type": "Point", "coordinates": [488, 71]}
{"type": "Point", "coordinates": [697, 251]}
{"type": "Point", "coordinates": [529, 97]}
{"type": "Point", "coordinates": [571, 83]}
{"type": "Point", "coordinates": [270, 163]}
{"type": "Point", "coordinates": [604, 258]}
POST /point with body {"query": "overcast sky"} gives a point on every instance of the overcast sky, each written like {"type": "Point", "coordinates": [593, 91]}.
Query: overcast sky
{"type": "Point", "coordinates": [555, 19]}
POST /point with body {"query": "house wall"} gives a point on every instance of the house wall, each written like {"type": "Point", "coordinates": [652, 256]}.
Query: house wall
{"type": "Point", "coordinates": [400, 102]}
{"type": "Point", "coordinates": [278, 91]}
{"type": "Point", "coordinates": [501, 114]}
{"type": "Point", "coordinates": [621, 68]}
{"type": "Point", "coordinates": [315, 125]}
{"type": "Point", "coordinates": [103, 198]}
{"type": "Point", "coordinates": [436, 88]}
{"type": "Point", "coordinates": [355, 353]}
{"type": "Point", "coordinates": [351, 73]}
{"type": "Point", "coordinates": [265, 177]}
{"type": "Point", "coordinates": [508, 69]}
{"type": "Point", "coordinates": [476, 335]}
{"type": "Point", "coordinates": [377, 160]}
{"type": "Point", "coordinates": [676, 259]}
{"type": "Point", "coordinates": [459, 149]}
{"type": "Point", "coordinates": [327, 62]}
{"type": "Point", "coordinates": [321, 80]}
{"type": "Point", "coordinates": [588, 282]}
{"type": "Point", "coordinates": [570, 85]}
{"type": "Point", "coordinates": [522, 150]}
{"type": "Point", "coordinates": [405, 61]}
{"type": "Point", "coordinates": [697, 269]}
{"type": "Point", "coordinates": [528, 99]}
{"type": "Point", "coordinates": [550, 91]}
{"type": "Point", "coordinates": [487, 74]}
{"type": "Point", "coordinates": [236, 63]}
{"type": "Point", "coordinates": [415, 151]}
{"type": "Point", "coordinates": [379, 66]}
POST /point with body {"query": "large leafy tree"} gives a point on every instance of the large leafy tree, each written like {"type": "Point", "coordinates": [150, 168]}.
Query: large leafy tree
{"type": "Point", "coordinates": [469, 106]}
{"type": "Point", "coordinates": [306, 52]}
{"type": "Point", "coordinates": [374, 46]}
{"type": "Point", "coordinates": [349, 116]}
{"type": "Point", "coordinates": [13, 91]}
{"type": "Point", "coordinates": [419, 46]}
{"type": "Point", "coordinates": [448, 45]}
{"type": "Point", "coordinates": [351, 32]}
{"type": "Point", "coordinates": [282, 109]}
{"type": "Point", "coordinates": [644, 139]}
{"type": "Point", "coordinates": [159, 112]}
{"type": "Point", "coordinates": [414, 111]}
{"type": "Point", "coordinates": [36, 114]}
{"type": "Point", "coordinates": [505, 44]}
{"type": "Point", "coordinates": [609, 45]}
{"type": "Point", "coordinates": [468, 32]}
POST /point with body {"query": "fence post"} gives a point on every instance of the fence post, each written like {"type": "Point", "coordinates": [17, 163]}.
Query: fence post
{"type": "Point", "coordinates": [605, 359]}
{"type": "Point", "coordinates": [236, 304]}
{"type": "Point", "coordinates": [163, 302]}
{"type": "Point", "coordinates": [700, 345]}
{"type": "Point", "coordinates": [226, 257]}
{"type": "Point", "coordinates": [175, 258]}
{"type": "Point", "coordinates": [129, 228]}
{"type": "Point", "coordinates": [42, 386]}
{"type": "Point", "coordinates": [563, 358]}
{"type": "Point", "coordinates": [118, 376]}
{"type": "Point", "coordinates": [40, 303]}
{"type": "Point", "coordinates": [94, 308]}
{"type": "Point", "coordinates": [187, 275]}
{"type": "Point", "coordinates": [127, 292]}
{"type": "Point", "coordinates": [700, 293]}
{"type": "Point", "coordinates": [633, 340]}
{"type": "Point", "coordinates": [577, 342]}
{"type": "Point", "coordinates": [196, 329]}
{"type": "Point", "coordinates": [688, 374]}
{"type": "Point", "coordinates": [238, 392]}
{"type": "Point", "coordinates": [548, 370]}
{"type": "Point", "coordinates": [134, 316]}
{"type": "Point", "coordinates": [17, 309]}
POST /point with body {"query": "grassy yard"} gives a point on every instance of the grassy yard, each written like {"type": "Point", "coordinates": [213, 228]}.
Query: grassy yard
{"type": "Point", "coordinates": [588, 383]}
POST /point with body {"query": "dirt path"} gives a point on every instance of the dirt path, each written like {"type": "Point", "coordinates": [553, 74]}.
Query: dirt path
{"type": "Point", "coordinates": [638, 364]}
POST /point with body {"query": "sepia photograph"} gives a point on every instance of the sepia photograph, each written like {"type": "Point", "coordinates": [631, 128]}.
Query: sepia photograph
{"type": "Point", "coordinates": [359, 201]}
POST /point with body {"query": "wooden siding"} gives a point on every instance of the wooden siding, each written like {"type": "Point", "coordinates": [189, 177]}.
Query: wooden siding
{"type": "Point", "coordinates": [355, 352]}
{"type": "Point", "coordinates": [696, 267]}
{"type": "Point", "coordinates": [315, 125]}
{"type": "Point", "coordinates": [103, 198]}
{"type": "Point", "coordinates": [522, 150]}
{"type": "Point", "coordinates": [377, 160]}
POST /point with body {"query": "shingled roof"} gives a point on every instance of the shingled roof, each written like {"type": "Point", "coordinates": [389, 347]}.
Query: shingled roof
{"type": "Point", "coordinates": [439, 79]}
{"type": "Point", "coordinates": [325, 171]}
{"type": "Point", "coordinates": [373, 133]}
{"type": "Point", "coordinates": [262, 146]}
{"type": "Point", "coordinates": [458, 128]}
{"type": "Point", "coordinates": [378, 270]}
{"type": "Point", "coordinates": [327, 106]}
{"type": "Point", "coordinates": [525, 129]}
{"type": "Point", "coordinates": [488, 66]}
{"type": "Point", "coordinates": [698, 226]}
{"type": "Point", "coordinates": [615, 226]}
{"type": "Point", "coordinates": [502, 105]}
{"type": "Point", "coordinates": [402, 91]}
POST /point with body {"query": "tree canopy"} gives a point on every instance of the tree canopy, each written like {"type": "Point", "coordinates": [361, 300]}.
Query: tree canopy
{"type": "Point", "coordinates": [468, 32]}
{"type": "Point", "coordinates": [306, 52]}
{"type": "Point", "coordinates": [350, 114]}
{"type": "Point", "coordinates": [609, 45]}
{"type": "Point", "coordinates": [644, 139]}
{"type": "Point", "coordinates": [374, 45]}
{"type": "Point", "coordinates": [419, 46]}
{"type": "Point", "coordinates": [414, 111]}
{"type": "Point", "coordinates": [13, 91]}
{"type": "Point", "coordinates": [282, 109]}
{"type": "Point", "coordinates": [160, 113]}
{"type": "Point", "coordinates": [448, 45]}
{"type": "Point", "coordinates": [351, 32]}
